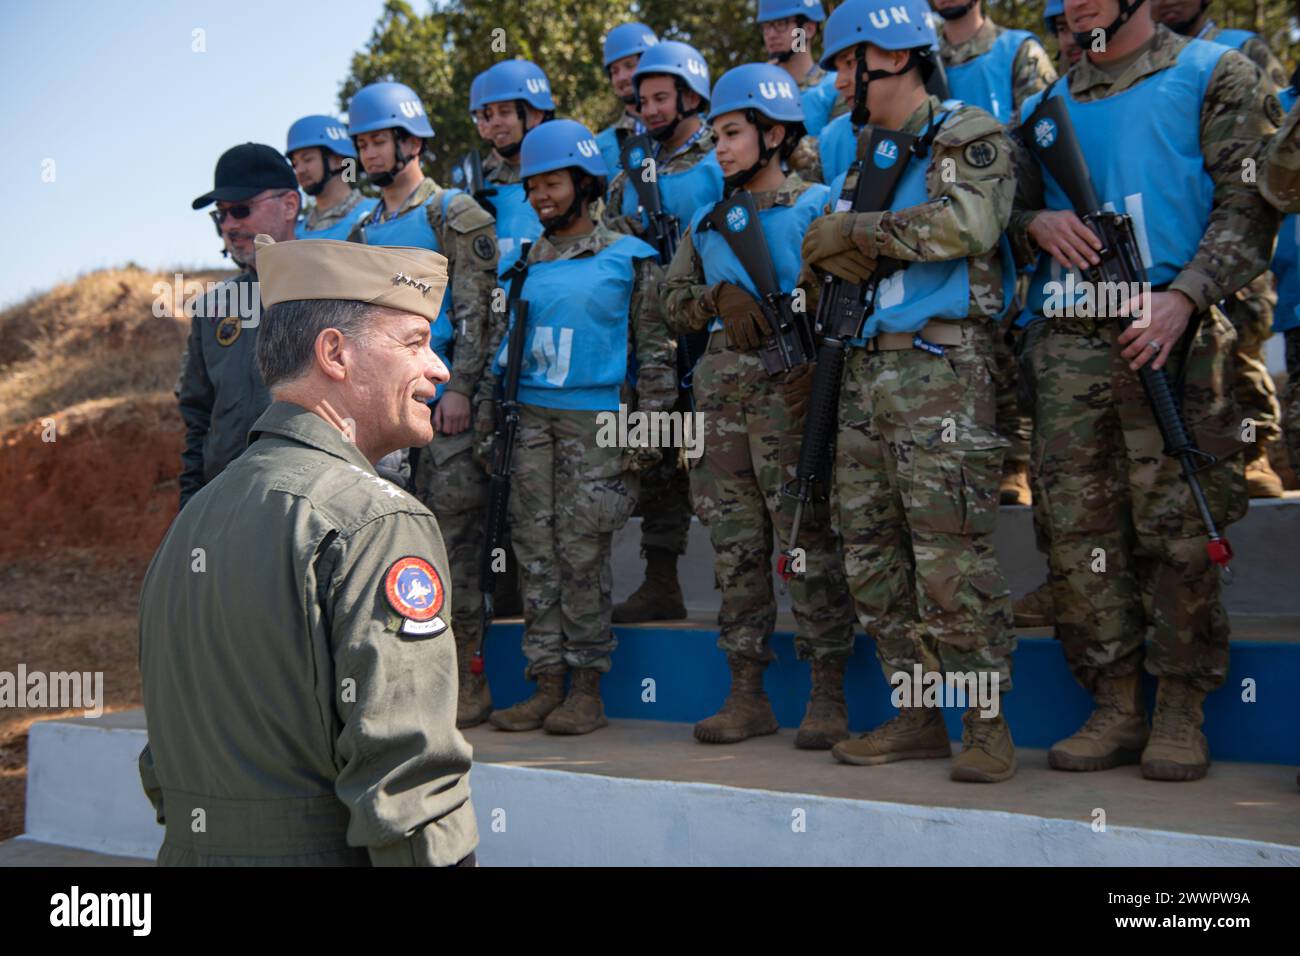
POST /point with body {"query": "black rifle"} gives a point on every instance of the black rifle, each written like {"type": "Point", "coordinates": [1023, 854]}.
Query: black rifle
{"type": "Point", "coordinates": [665, 233]}
{"type": "Point", "coordinates": [789, 341]}
{"type": "Point", "coordinates": [503, 447]}
{"type": "Point", "coordinates": [841, 315]}
{"type": "Point", "coordinates": [468, 175]}
{"type": "Point", "coordinates": [1049, 135]}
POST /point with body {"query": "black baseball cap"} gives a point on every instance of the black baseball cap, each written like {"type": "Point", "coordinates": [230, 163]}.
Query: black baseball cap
{"type": "Point", "coordinates": [244, 171]}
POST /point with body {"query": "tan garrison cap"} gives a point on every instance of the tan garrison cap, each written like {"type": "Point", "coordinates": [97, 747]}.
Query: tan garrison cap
{"type": "Point", "coordinates": [398, 277]}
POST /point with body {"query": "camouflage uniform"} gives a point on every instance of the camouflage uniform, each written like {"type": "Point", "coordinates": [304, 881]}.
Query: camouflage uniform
{"type": "Point", "coordinates": [916, 512]}
{"type": "Point", "coordinates": [569, 495]}
{"type": "Point", "coordinates": [751, 450]}
{"type": "Point", "coordinates": [446, 479]}
{"type": "Point", "coordinates": [1032, 70]}
{"type": "Point", "coordinates": [1106, 482]}
{"type": "Point", "coordinates": [497, 170]}
{"type": "Point", "coordinates": [1279, 182]}
{"type": "Point", "coordinates": [317, 220]}
{"type": "Point", "coordinates": [664, 503]}
{"type": "Point", "coordinates": [1255, 50]}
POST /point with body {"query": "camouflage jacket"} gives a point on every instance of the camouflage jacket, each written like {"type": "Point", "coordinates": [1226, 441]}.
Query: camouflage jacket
{"type": "Point", "coordinates": [468, 240]}
{"type": "Point", "coordinates": [497, 170]}
{"type": "Point", "coordinates": [1279, 179]}
{"type": "Point", "coordinates": [1237, 116]}
{"type": "Point", "coordinates": [1031, 71]}
{"type": "Point", "coordinates": [971, 183]}
{"type": "Point", "coordinates": [612, 217]}
{"type": "Point", "coordinates": [685, 286]}
{"type": "Point", "coordinates": [649, 343]}
{"type": "Point", "coordinates": [1257, 51]}
{"type": "Point", "coordinates": [316, 219]}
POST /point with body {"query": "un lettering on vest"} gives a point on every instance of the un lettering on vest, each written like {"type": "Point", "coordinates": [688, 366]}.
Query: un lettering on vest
{"type": "Point", "coordinates": [552, 358]}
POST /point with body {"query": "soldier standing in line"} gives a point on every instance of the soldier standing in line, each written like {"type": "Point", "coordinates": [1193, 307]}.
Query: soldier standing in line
{"type": "Point", "coordinates": [320, 150]}
{"type": "Point", "coordinates": [622, 52]}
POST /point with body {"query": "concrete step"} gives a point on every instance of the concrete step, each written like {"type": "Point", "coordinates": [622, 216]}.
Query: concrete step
{"type": "Point", "coordinates": [1264, 578]}
{"type": "Point", "coordinates": [24, 851]}
{"type": "Point", "coordinates": [644, 793]}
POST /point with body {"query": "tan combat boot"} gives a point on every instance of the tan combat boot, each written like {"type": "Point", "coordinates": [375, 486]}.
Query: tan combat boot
{"type": "Point", "coordinates": [473, 699]}
{"type": "Point", "coordinates": [1261, 480]}
{"type": "Point", "coordinates": [659, 598]}
{"type": "Point", "coordinates": [1015, 484]}
{"type": "Point", "coordinates": [582, 711]}
{"type": "Point", "coordinates": [826, 720]}
{"type": "Point", "coordinates": [529, 714]}
{"type": "Point", "coordinates": [917, 733]}
{"type": "Point", "coordinates": [1114, 734]}
{"type": "Point", "coordinates": [1035, 609]}
{"type": "Point", "coordinates": [1177, 749]}
{"type": "Point", "coordinates": [988, 754]}
{"type": "Point", "coordinates": [746, 712]}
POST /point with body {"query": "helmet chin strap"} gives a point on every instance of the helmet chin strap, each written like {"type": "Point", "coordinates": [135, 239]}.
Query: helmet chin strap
{"type": "Point", "coordinates": [956, 13]}
{"type": "Point", "coordinates": [664, 133]}
{"type": "Point", "coordinates": [1126, 11]}
{"type": "Point", "coordinates": [386, 178]}
{"type": "Point", "coordinates": [565, 219]}
{"type": "Point", "coordinates": [315, 189]}
{"type": "Point", "coordinates": [737, 180]}
{"type": "Point", "coordinates": [862, 78]}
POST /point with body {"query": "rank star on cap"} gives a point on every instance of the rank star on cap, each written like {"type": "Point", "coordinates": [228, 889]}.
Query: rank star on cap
{"type": "Point", "coordinates": [402, 278]}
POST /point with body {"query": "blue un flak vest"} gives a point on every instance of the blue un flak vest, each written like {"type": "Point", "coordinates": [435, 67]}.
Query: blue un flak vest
{"type": "Point", "coordinates": [517, 223]}
{"type": "Point", "coordinates": [610, 149]}
{"type": "Point", "coordinates": [1286, 257]}
{"type": "Point", "coordinates": [575, 354]}
{"type": "Point", "coordinates": [985, 81]}
{"type": "Point", "coordinates": [1154, 172]}
{"type": "Point", "coordinates": [683, 192]}
{"type": "Point", "coordinates": [1233, 39]}
{"type": "Point", "coordinates": [341, 229]}
{"type": "Point", "coordinates": [837, 146]}
{"type": "Point", "coordinates": [920, 291]}
{"type": "Point", "coordinates": [783, 228]}
{"type": "Point", "coordinates": [412, 228]}
{"type": "Point", "coordinates": [818, 101]}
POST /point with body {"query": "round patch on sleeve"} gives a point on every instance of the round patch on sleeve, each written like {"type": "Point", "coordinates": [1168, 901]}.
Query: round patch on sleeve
{"type": "Point", "coordinates": [981, 154]}
{"type": "Point", "coordinates": [413, 589]}
{"type": "Point", "coordinates": [1273, 110]}
{"type": "Point", "coordinates": [484, 247]}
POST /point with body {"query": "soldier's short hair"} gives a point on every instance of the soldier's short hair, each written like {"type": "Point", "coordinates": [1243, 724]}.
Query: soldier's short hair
{"type": "Point", "coordinates": [287, 337]}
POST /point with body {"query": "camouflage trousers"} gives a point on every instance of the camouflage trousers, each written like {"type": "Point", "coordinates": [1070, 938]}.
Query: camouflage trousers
{"type": "Point", "coordinates": [917, 470]}
{"type": "Point", "coordinates": [451, 484]}
{"type": "Point", "coordinates": [1013, 420]}
{"type": "Point", "coordinates": [567, 498]}
{"type": "Point", "coordinates": [664, 502]}
{"type": "Point", "coordinates": [1291, 423]}
{"type": "Point", "coordinates": [751, 449]}
{"type": "Point", "coordinates": [1251, 313]}
{"type": "Point", "coordinates": [1122, 523]}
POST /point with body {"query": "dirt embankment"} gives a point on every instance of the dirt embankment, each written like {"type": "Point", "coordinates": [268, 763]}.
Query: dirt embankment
{"type": "Point", "coordinates": [90, 443]}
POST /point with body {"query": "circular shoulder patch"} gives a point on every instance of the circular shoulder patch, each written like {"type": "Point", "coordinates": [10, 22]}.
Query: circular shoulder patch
{"type": "Point", "coordinates": [1273, 110]}
{"type": "Point", "coordinates": [413, 589]}
{"type": "Point", "coordinates": [228, 330]}
{"type": "Point", "coordinates": [484, 247]}
{"type": "Point", "coordinates": [981, 154]}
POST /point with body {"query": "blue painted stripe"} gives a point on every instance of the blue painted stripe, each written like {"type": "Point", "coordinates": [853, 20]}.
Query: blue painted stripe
{"type": "Point", "coordinates": [690, 680]}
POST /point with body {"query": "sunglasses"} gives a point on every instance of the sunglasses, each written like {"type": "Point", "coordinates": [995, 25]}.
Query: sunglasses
{"type": "Point", "coordinates": [241, 211]}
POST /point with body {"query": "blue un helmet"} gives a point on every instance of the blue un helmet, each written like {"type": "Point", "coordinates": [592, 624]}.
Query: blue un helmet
{"type": "Point", "coordinates": [323, 131]}
{"type": "Point", "coordinates": [677, 59]}
{"type": "Point", "coordinates": [628, 39]}
{"type": "Point", "coordinates": [565, 144]}
{"type": "Point", "coordinates": [476, 92]}
{"type": "Point", "coordinates": [886, 25]}
{"type": "Point", "coordinates": [769, 10]}
{"type": "Point", "coordinates": [1055, 8]}
{"type": "Point", "coordinates": [760, 89]}
{"type": "Point", "coordinates": [388, 106]}
{"type": "Point", "coordinates": [517, 80]}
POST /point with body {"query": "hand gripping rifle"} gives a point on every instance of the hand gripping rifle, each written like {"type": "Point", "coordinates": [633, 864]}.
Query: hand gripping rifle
{"type": "Point", "coordinates": [503, 447]}
{"type": "Point", "coordinates": [788, 342]}
{"type": "Point", "coordinates": [1049, 135]}
{"type": "Point", "coordinates": [841, 315]}
{"type": "Point", "coordinates": [468, 175]}
{"type": "Point", "coordinates": [664, 234]}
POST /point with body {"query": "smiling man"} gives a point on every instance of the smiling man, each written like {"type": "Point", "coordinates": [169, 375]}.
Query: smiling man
{"type": "Point", "coordinates": [300, 675]}
{"type": "Point", "coordinates": [219, 390]}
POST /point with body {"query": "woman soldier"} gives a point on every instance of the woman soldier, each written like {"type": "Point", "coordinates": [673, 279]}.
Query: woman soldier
{"type": "Point", "coordinates": [753, 420]}
{"type": "Point", "coordinates": [591, 305]}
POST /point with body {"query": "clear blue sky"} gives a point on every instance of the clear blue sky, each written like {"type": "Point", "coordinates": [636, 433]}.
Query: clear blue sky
{"type": "Point", "coordinates": [135, 120]}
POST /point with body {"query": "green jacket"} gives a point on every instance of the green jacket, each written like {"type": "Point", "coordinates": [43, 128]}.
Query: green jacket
{"type": "Point", "coordinates": [294, 715]}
